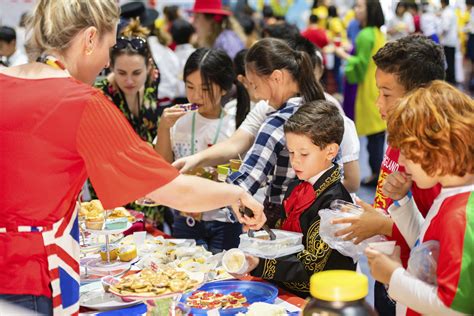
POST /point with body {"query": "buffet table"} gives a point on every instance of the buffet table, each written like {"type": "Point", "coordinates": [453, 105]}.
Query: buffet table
{"type": "Point", "coordinates": [290, 302]}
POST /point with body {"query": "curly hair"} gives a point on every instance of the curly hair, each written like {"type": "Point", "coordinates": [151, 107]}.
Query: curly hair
{"type": "Point", "coordinates": [415, 59]}
{"type": "Point", "coordinates": [433, 126]}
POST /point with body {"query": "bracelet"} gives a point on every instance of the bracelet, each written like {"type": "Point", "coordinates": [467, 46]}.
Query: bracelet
{"type": "Point", "coordinates": [404, 200]}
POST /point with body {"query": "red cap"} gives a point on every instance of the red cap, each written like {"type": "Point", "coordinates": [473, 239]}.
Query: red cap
{"type": "Point", "coordinates": [209, 6]}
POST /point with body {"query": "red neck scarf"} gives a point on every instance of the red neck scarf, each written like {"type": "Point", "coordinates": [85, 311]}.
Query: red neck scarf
{"type": "Point", "coordinates": [300, 199]}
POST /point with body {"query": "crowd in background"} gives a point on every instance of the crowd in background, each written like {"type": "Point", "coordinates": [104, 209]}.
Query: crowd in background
{"type": "Point", "coordinates": [225, 60]}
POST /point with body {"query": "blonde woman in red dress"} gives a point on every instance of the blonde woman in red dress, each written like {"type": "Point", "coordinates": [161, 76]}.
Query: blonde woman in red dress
{"type": "Point", "coordinates": [55, 131]}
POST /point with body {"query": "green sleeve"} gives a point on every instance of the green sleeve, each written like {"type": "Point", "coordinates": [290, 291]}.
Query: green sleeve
{"type": "Point", "coordinates": [356, 66]}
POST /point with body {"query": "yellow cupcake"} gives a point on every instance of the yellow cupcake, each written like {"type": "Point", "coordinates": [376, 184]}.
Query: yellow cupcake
{"type": "Point", "coordinates": [127, 253]}
{"type": "Point", "coordinates": [113, 253]}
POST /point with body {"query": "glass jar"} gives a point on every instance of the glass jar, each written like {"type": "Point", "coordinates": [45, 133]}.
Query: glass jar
{"type": "Point", "coordinates": [338, 293]}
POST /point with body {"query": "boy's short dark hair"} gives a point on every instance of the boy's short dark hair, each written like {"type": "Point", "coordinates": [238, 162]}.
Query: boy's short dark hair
{"type": "Point", "coordinates": [284, 31]}
{"type": "Point", "coordinates": [181, 31]}
{"type": "Point", "coordinates": [7, 34]}
{"type": "Point", "coordinates": [415, 59]}
{"type": "Point", "coordinates": [319, 120]}
{"type": "Point", "coordinates": [313, 19]}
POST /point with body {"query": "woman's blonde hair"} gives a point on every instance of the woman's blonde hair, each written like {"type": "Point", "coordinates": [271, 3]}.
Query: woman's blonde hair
{"type": "Point", "coordinates": [434, 127]}
{"type": "Point", "coordinates": [227, 23]}
{"type": "Point", "coordinates": [54, 23]}
{"type": "Point", "coordinates": [135, 29]}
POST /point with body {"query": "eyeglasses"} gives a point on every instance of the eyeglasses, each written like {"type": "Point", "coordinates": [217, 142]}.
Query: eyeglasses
{"type": "Point", "coordinates": [137, 43]}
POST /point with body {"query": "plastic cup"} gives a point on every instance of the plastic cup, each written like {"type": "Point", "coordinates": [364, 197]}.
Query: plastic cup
{"type": "Point", "coordinates": [235, 164]}
{"type": "Point", "coordinates": [234, 261]}
{"type": "Point", "coordinates": [139, 238]}
{"type": "Point", "coordinates": [222, 172]}
{"type": "Point", "coordinates": [385, 247]}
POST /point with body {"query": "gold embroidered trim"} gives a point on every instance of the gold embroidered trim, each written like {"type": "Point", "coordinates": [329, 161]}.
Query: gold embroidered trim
{"type": "Point", "coordinates": [317, 254]}
{"type": "Point", "coordinates": [298, 286]}
{"type": "Point", "coordinates": [269, 269]}
{"type": "Point", "coordinates": [334, 177]}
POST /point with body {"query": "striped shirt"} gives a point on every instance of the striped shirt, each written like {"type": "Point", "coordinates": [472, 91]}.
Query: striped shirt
{"type": "Point", "coordinates": [268, 160]}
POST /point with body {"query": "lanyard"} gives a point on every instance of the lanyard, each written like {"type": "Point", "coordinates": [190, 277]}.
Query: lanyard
{"type": "Point", "coordinates": [193, 131]}
{"type": "Point", "coordinates": [51, 61]}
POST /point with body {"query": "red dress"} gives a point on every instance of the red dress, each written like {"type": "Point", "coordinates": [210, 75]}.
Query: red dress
{"type": "Point", "coordinates": [54, 133]}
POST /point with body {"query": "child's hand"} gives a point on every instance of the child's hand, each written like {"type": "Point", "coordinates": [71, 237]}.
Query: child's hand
{"type": "Point", "coordinates": [170, 116]}
{"type": "Point", "coordinates": [382, 266]}
{"type": "Point", "coordinates": [187, 163]}
{"type": "Point", "coordinates": [397, 185]}
{"type": "Point", "coordinates": [370, 223]}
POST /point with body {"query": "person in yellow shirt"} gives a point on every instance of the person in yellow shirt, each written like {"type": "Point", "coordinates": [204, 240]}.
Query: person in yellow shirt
{"type": "Point", "coordinates": [338, 37]}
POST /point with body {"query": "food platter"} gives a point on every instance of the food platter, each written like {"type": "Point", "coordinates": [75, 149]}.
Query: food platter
{"type": "Point", "coordinates": [252, 291]}
{"type": "Point", "coordinates": [149, 284]}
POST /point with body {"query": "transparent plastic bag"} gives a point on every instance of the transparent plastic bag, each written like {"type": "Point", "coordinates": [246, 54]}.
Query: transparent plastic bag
{"type": "Point", "coordinates": [343, 209]}
{"type": "Point", "coordinates": [423, 261]}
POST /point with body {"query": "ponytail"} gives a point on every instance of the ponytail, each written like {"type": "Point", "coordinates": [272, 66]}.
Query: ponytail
{"type": "Point", "coordinates": [243, 103]}
{"type": "Point", "coordinates": [310, 88]}
{"type": "Point", "coordinates": [243, 97]}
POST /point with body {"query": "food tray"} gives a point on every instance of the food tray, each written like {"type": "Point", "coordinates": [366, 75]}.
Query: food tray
{"type": "Point", "coordinates": [286, 243]}
{"type": "Point", "coordinates": [252, 290]}
{"type": "Point", "coordinates": [199, 277]}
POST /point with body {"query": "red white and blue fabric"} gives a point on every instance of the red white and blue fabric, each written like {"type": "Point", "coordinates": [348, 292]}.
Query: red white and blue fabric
{"type": "Point", "coordinates": [62, 247]}
{"type": "Point", "coordinates": [61, 242]}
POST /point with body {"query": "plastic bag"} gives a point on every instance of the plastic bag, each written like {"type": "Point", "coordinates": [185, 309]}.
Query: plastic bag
{"type": "Point", "coordinates": [343, 209]}
{"type": "Point", "coordinates": [423, 261]}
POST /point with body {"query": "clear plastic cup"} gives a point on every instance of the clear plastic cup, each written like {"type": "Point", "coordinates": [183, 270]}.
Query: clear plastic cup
{"type": "Point", "coordinates": [385, 247]}
{"type": "Point", "coordinates": [344, 206]}
{"type": "Point", "coordinates": [139, 239]}
{"type": "Point", "coordinates": [234, 261]}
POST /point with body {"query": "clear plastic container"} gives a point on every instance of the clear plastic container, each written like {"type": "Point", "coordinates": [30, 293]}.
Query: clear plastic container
{"type": "Point", "coordinates": [286, 243]}
{"type": "Point", "coordinates": [347, 207]}
{"type": "Point", "coordinates": [423, 262]}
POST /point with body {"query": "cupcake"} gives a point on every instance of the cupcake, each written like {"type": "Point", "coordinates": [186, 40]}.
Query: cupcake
{"type": "Point", "coordinates": [95, 223]}
{"type": "Point", "coordinates": [127, 253]}
{"type": "Point", "coordinates": [113, 253]}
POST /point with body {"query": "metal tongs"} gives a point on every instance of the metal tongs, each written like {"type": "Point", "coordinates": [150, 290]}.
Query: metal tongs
{"type": "Point", "coordinates": [248, 212]}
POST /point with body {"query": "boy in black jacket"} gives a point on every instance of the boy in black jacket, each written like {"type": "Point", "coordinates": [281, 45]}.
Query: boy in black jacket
{"type": "Point", "coordinates": [313, 135]}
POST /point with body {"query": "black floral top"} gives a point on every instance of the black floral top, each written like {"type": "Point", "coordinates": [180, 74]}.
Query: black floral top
{"type": "Point", "coordinates": [145, 124]}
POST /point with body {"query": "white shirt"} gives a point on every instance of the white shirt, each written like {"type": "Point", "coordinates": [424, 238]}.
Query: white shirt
{"type": "Point", "coordinates": [402, 26]}
{"type": "Point", "coordinates": [204, 136]}
{"type": "Point", "coordinates": [182, 53]}
{"type": "Point", "coordinates": [315, 178]}
{"type": "Point", "coordinates": [168, 65]}
{"type": "Point", "coordinates": [255, 118]}
{"type": "Point", "coordinates": [430, 23]}
{"type": "Point", "coordinates": [17, 58]}
{"type": "Point", "coordinates": [350, 145]}
{"type": "Point", "coordinates": [404, 287]}
{"type": "Point", "coordinates": [449, 27]}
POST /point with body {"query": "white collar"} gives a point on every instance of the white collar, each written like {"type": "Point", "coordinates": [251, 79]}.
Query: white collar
{"type": "Point", "coordinates": [313, 180]}
{"type": "Point", "coordinates": [447, 192]}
